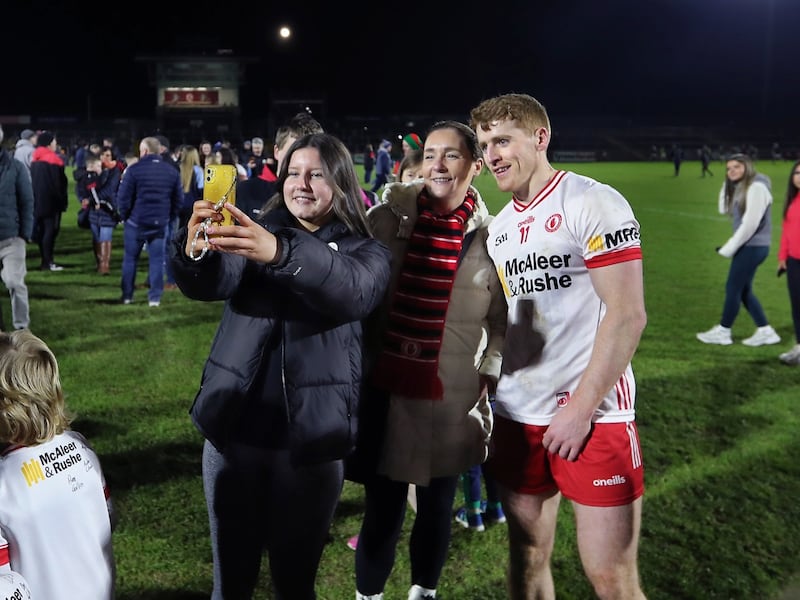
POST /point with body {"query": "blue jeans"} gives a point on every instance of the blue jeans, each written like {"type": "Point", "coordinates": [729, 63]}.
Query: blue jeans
{"type": "Point", "coordinates": [472, 486]}
{"type": "Point", "coordinates": [102, 234]}
{"type": "Point", "coordinates": [172, 227]}
{"type": "Point", "coordinates": [134, 238]}
{"type": "Point", "coordinates": [739, 287]}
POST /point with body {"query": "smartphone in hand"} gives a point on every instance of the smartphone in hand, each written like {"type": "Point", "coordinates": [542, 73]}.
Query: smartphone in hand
{"type": "Point", "coordinates": [221, 183]}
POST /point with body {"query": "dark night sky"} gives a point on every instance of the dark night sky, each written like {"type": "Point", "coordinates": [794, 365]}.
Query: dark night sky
{"type": "Point", "coordinates": [678, 60]}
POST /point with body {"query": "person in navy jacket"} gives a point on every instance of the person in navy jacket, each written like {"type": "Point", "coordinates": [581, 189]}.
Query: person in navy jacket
{"type": "Point", "coordinates": [148, 197]}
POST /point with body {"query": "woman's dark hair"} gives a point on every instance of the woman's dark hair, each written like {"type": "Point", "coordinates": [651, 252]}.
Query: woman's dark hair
{"type": "Point", "coordinates": [742, 185]}
{"type": "Point", "coordinates": [227, 156]}
{"type": "Point", "coordinates": [339, 172]}
{"type": "Point", "coordinates": [791, 190]}
{"type": "Point", "coordinates": [466, 132]}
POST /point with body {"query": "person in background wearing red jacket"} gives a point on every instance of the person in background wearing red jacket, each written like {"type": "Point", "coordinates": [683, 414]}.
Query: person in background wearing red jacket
{"type": "Point", "coordinates": [789, 258]}
{"type": "Point", "coordinates": [49, 197]}
{"type": "Point", "coordinates": [369, 162]}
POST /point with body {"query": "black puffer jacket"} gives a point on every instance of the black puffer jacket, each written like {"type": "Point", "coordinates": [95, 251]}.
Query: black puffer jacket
{"type": "Point", "coordinates": [16, 199]}
{"type": "Point", "coordinates": [299, 320]}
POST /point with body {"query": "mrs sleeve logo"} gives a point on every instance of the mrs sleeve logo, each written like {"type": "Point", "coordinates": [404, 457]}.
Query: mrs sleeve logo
{"type": "Point", "coordinates": [610, 241]}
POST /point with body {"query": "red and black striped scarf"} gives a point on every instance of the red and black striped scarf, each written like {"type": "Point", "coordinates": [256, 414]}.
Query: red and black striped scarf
{"type": "Point", "coordinates": [409, 362]}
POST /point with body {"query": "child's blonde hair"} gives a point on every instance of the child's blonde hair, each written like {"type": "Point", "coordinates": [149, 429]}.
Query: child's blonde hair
{"type": "Point", "coordinates": [32, 407]}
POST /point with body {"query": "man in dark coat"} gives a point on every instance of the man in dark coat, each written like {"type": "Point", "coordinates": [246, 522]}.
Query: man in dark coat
{"type": "Point", "coordinates": [149, 196]}
{"type": "Point", "coordinates": [16, 226]}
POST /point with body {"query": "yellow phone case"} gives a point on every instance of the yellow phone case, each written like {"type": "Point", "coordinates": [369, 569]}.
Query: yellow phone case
{"type": "Point", "coordinates": [221, 181]}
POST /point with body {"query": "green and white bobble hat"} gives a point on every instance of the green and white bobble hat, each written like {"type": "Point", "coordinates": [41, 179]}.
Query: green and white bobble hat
{"type": "Point", "coordinates": [413, 140]}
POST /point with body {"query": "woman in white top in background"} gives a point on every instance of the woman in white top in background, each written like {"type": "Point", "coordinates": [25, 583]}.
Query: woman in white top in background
{"type": "Point", "coordinates": [746, 197]}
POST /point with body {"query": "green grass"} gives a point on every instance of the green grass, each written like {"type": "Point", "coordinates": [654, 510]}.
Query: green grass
{"type": "Point", "coordinates": [719, 425]}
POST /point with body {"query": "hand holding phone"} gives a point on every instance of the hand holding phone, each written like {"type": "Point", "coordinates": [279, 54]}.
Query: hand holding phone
{"type": "Point", "coordinates": [221, 186]}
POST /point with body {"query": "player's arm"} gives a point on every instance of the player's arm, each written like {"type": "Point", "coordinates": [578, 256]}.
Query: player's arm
{"type": "Point", "coordinates": [620, 287]}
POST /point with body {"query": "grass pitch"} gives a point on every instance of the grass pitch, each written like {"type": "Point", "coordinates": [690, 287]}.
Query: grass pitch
{"type": "Point", "coordinates": [719, 425]}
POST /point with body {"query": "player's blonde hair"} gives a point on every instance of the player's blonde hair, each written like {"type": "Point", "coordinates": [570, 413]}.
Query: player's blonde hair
{"type": "Point", "coordinates": [32, 407]}
{"type": "Point", "coordinates": [527, 111]}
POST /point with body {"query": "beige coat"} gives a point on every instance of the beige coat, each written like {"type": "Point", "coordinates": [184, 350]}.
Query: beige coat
{"type": "Point", "coordinates": [438, 438]}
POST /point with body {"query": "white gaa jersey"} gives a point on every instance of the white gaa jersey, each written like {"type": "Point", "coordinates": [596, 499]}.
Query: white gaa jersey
{"type": "Point", "coordinates": [55, 527]}
{"type": "Point", "coordinates": [544, 251]}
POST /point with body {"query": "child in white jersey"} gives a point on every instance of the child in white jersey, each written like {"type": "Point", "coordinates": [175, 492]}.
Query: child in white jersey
{"type": "Point", "coordinates": [55, 510]}
{"type": "Point", "coordinates": [14, 587]}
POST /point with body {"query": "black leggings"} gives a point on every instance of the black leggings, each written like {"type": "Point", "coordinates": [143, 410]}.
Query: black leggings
{"type": "Point", "coordinates": [47, 230]}
{"type": "Point", "coordinates": [257, 500]}
{"type": "Point", "coordinates": [383, 522]}
{"type": "Point", "coordinates": [793, 281]}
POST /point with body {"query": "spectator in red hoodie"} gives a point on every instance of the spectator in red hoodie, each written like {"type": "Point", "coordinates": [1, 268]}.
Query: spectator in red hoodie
{"type": "Point", "coordinates": [49, 197]}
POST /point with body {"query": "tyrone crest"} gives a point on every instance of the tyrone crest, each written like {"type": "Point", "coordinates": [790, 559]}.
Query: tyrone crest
{"type": "Point", "coordinates": [410, 349]}
{"type": "Point", "coordinates": [552, 223]}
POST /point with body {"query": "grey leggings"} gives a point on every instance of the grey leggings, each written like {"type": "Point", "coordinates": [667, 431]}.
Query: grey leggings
{"type": "Point", "coordinates": [258, 501]}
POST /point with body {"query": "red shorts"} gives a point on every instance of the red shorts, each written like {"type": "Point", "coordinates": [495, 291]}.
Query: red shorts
{"type": "Point", "coordinates": [608, 472]}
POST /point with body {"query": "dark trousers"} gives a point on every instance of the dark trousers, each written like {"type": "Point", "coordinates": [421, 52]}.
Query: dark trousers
{"type": "Point", "coordinates": [47, 229]}
{"type": "Point", "coordinates": [739, 286]}
{"type": "Point", "coordinates": [380, 179]}
{"type": "Point", "coordinates": [793, 281]}
{"type": "Point", "coordinates": [383, 522]}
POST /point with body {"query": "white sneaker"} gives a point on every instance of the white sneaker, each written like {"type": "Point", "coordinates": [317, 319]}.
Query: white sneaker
{"type": "Point", "coordinates": [762, 337]}
{"type": "Point", "coordinates": [417, 592]}
{"type": "Point", "coordinates": [792, 357]}
{"type": "Point", "coordinates": [154, 303]}
{"type": "Point", "coordinates": [716, 335]}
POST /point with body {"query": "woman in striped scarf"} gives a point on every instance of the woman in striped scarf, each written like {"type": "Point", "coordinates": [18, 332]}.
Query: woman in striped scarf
{"type": "Point", "coordinates": [436, 346]}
